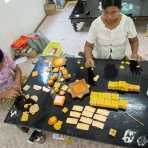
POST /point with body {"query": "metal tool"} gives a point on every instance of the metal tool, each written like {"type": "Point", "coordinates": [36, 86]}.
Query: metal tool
{"type": "Point", "coordinates": [135, 119]}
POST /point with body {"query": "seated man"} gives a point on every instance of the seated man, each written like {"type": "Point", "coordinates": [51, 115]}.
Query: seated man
{"type": "Point", "coordinates": [10, 78]}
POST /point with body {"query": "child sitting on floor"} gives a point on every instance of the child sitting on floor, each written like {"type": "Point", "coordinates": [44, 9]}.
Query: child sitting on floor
{"type": "Point", "coordinates": [10, 77]}
{"type": "Point", "coordinates": [10, 88]}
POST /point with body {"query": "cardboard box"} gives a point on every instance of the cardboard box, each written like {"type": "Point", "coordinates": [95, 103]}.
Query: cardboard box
{"type": "Point", "coordinates": [49, 8]}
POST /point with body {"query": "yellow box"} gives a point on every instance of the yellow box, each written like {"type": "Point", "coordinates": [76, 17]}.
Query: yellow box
{"type": "Point", "coordinates": [113, 132]}
{"type": "Point", "coordinates": [100, 102]}
{"type": "Point", "coordinates": [123, 104]}
{"type": "Point", "coordinates": [100, 95]}
{"type": "Point", "coordinates": [112, 85]}
{"type": "Point", "coordinates": [107, 100]}
{"type": "Point", "coordinates": [94, 95]}
{"type": "Point", "coordinates": [107, 103]}
{"type": "Point", "coordinates": [115, 104]}
{"type": "Point", "coordinates": [108, 95]}
{"type": "Point", "coordinates": [115, 96]}
{"type": "Point", "coordinates": [123, 86]}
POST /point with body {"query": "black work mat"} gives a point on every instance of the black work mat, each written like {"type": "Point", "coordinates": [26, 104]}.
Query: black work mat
{"type": "Point", "coordinates": [108, 70]}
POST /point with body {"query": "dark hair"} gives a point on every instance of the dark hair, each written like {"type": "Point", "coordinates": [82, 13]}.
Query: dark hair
{"type": "Point", "coordinates": [109, 3]}
{"type": "Point", "coordinates": [1, 56]}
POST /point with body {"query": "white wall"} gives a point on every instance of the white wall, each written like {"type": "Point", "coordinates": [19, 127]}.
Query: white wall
{"type": "Point", "coordinates": [18, 17]}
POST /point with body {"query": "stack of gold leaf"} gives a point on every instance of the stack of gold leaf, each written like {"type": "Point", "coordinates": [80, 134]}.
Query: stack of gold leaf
{"type": "Point", "coordinates": [107, 100]}
{"type": "Point", "coordinates": [123, 86]}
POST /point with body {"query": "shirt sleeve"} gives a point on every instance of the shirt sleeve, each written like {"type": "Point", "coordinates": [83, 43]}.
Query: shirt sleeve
{"type": "Point", "coordinates": [91, 37]}
{"type": "Point", "coordinates": [131, 30]}
{"type": "Point", "coordinates": [11, 64]}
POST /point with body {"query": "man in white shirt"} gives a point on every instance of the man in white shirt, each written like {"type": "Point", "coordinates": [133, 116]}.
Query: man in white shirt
{"type": "Point", "coordinates": [109, 33]}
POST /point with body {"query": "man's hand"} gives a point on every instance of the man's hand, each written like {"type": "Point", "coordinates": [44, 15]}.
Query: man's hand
{"type": "Point", "coordinates": [88, 55]}
{"type": "Point", "coordinates": [136, 56]}
{"type": "Point", "coordinates": [134, 42]}
{"type": "Point", "coordinates": [89, 63]}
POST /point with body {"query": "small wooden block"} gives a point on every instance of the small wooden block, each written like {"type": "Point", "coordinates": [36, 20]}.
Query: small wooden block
{"type": "Point", "coordinates": [56, 90]}
{"type": "Point", "coordinates": [82, 67]}
{"type": "Point", "coordinates": [138, 66]}
{"type": "Point", "coordinates": [82, 126]}
{"type": "Point", "coordinates": [86, 120]}
{"type": "Point", "coordinates": [58, 125]}
{"type": "Point", "coordinates": [57, 85]}
{"type": "Point", "coordinates": [72, 121]}
{"type": "Point", "coordinates": [52, 120]}
{"type": "Point", "coordinates": [25, 117]}
{"type": "Point", "coordinates": [45, 89]}
{"type": "Point", "coordinates": [122, 67]}
{"type": "Point", "coordinates": [34, 109]}
{"type": "Point", "coordinates": [59, 100]}
{"type": "Point", "coordinates": [127, 62]}
{"type": "Point", "coordinates": [26, 106]}
{"type": "Point", "coordinates": [98, 124]}
{"type": "Point", "coordinates": [103, 112]}
{"type": "Point", "coordinates": [48, 69]}
{"type": "Point", "coordinates": [26, 87]}
{"type": "Point", "coordinates": [77, 108]}
{"type": "Point", "coordinates": [100, 118]}
{"type": "Point", "coordinates": [122, 62]}
{"type": "Point", "coordinates": [75, 114]}
{"type": "Point", "coordinates": [34, 74]}
{"type": "Point", "coordinates": [62, 93]}
{"type": "Point", "coordinates": [50, 82]}
{"type": "Point", "coordinates": [64, 87]}
{"type": "Point", "coordinates": [53, 77]}
{"type": "Point", "coordinates": [87, 114]}
{"type": "Point", "coordinates": [67, 76]}
{"type": "Point", "coordinates": [37, 87]}
{"type": "Point", "coordinates": [65, 110]}
{"type": "Point", "coordinates": [35, 98]}
{"type": "Point", "coordinates": [62, 68]}
{"type": "Point", "coordinates": [61, 79]}
{"type": "Point", "coordinates": [96, 78]}
{"type": "Point", "coordinates": [113, 132]}
{"type": "Point", "coordinates": [90, 109]}
{"type": "Point", "coordinates": [56, 70]}
{"type": "Point", "coordinates": [27, 96]}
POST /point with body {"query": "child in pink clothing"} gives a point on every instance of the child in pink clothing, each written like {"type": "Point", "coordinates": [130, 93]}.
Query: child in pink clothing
{"type": "Point", "coordinates": [10, 87]}
{"type": "Point", "coordinates": [10, 77]}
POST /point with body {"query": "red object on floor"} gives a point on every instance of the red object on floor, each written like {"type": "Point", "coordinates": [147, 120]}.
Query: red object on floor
{"type": "Point", "coordinates": [22, 41]}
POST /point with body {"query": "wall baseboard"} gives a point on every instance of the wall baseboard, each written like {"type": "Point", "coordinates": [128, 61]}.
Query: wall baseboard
{"type": "Point", "coordinates": [38, 26]}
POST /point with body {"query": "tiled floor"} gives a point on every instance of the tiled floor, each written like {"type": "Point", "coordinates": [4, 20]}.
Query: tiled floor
{"type": "Point", "coordinates": [58, 28]}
